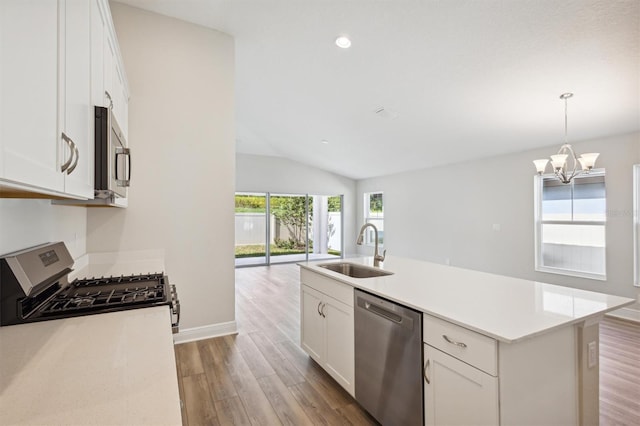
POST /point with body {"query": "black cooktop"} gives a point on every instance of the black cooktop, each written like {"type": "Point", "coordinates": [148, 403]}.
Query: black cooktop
{"type": "Point", "coordinates": [102, 293]}
{"type": "Point", "coordinates": [95, 295]}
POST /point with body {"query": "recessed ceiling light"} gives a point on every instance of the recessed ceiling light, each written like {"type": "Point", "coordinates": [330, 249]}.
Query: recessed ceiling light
{"type": "Point", "coordinates": [343, 42]}
{"type": "Point", "coordinates": [324, 141]}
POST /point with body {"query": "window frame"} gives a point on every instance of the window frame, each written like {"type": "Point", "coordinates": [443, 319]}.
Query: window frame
{"type": "Point", "coordinates": [366, 199]}
{"type": "Point", "coordinates": [636, 225]}
{"type": "Point", "coordinates": [538, 222]}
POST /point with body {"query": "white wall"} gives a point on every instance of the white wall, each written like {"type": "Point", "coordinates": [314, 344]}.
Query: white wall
{"type": "Point", "coordinates": [448, 213]}
{"type": "Point", "coordinates": [26, 223]}
{"type": "Point", "coordinates": [181, 134]}
{"type": "Point", "coordinates": [258, 173]}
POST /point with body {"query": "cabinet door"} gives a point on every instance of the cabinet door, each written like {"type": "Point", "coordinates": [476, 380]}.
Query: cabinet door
{"type": "Point", "coordinates": [114, 83]}
{"type": "Point", "coordinates": [76, 96]}
{"type": "Point", "coordinates": [121, 98]}
{"type": "Point", "coordinates": [109, 65]}
{"type": "Point", "coordinates": [29, 87]}
{"type": "Point", "coordinates": [457, 393]}
{"type": "Point", "coordinates": [312, 328]}
{"type": "Point", "coordinates": [340, 358]}
{"type": "Point", "coordinates": [98, 34]}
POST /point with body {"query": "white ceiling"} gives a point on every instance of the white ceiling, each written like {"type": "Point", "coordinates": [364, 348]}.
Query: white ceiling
{"type": "Point", "coordinates": [460, 79]}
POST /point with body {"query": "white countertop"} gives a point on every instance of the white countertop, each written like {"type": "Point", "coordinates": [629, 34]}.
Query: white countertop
{"type": "Point", "coordinates": [505, 308]}
{"type": "Point", "coordinates": [107, 369]}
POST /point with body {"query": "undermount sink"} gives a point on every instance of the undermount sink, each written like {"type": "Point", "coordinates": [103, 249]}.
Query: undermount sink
{"type": "Point", "coordinates": [355, 271]}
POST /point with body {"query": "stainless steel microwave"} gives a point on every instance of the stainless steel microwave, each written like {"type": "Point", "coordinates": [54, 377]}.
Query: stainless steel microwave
{"type": "Point", "coordinates": [113, 157]}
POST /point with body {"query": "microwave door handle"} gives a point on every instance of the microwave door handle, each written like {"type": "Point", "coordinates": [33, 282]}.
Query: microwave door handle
{"type": "Point", "coordinates": [122, 151]}
{"type": "Point", "coordinates": [128, 167]}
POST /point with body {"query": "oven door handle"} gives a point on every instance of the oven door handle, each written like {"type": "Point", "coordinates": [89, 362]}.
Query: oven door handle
{"type": "Point", "coordinates": [175, 308]}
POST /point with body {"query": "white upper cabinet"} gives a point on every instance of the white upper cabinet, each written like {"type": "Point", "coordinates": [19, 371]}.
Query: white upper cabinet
{"type": "Point", "coordinates": [29, 94]}
{"type": "Point", "coordinates": [58, 58]}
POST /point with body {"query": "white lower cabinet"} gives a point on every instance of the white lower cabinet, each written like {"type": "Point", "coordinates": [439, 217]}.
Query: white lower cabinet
{"type": "Point", "coordinates": [313, 327]}
{"type": "Point", "coordinates": [456, 393]}
{"type": "Point", "coordinates": [472, 379]}
{"type": "Point", "coordinates": [327, 329]}
{"type": "Point", "coordinates": [460, 375]}
{"type": "Point", "coordinates": [340, 355]}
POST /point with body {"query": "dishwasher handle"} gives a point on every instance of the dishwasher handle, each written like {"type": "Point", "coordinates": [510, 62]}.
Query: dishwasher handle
{"type": "Point", "coordinates": [383, 312]}
{"type": "Point", "coordinates": [397, 318]}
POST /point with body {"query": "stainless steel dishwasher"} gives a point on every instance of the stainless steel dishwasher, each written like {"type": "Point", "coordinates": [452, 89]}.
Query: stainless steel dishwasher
{"type": "Point", "coordinates": [388, 350]}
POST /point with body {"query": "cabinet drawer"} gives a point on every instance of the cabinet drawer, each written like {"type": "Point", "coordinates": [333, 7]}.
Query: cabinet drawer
{"type": "Point", "coordinates": [339, 291]}
{"type": "Point", "coordinates": [466, 345]}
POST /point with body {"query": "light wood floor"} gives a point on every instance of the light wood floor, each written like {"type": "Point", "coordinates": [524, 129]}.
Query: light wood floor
{"type": "Point", "coordinates": [619, 372]}
{"type": "Point", "coordinates": [262, 377]}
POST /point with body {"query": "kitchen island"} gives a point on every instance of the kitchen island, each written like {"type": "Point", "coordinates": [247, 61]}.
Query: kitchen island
{"type": "Point", "coordinates": [530, 348]}
{"type": "Point", "coordinates": [107, 369]}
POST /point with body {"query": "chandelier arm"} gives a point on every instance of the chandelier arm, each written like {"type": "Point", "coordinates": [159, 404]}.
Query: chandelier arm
{"type": "Point", "coordinates": [572, 153]}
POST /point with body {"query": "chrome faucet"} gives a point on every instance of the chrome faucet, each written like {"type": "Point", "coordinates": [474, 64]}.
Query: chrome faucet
{"type": "Point", "coordinates": [377, 258]}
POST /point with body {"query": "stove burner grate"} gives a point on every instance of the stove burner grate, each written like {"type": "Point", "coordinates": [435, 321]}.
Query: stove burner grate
{"type": "Point", "coordinates": [94, 282]}
{"type": "Point", "coordinates": [108, 293]}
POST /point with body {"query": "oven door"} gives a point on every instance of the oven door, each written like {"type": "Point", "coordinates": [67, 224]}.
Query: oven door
{"type": "Point", "coordinates": [120, 159]}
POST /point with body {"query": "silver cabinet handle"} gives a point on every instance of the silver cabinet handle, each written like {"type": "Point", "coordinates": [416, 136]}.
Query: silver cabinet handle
{"type": "Point", "coordinates": [424, 372]}
{"type": "Point", "coordinates": [453, 342]}
{"type": "Point", "coordinates": [110, 99]}
{"type": "Point", "coordinates": [77, 155]}
{"type": "Point", "coordinates": [70, 143]}
{"type": "Point", "coordinates": [318, 308]}
{"type": "Point", "coordinates": [322, 310]}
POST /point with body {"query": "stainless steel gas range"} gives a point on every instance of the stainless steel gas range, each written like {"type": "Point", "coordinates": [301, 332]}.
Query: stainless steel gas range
{"type": "Point", "coordinates": [34, 286]}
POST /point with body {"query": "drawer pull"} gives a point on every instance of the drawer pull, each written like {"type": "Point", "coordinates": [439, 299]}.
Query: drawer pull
{"type": "Point", "coordinates": [453, 342]}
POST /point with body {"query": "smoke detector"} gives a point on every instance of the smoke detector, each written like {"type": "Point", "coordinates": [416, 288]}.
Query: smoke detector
{"type": "Point", "coordinates": [386, 113]}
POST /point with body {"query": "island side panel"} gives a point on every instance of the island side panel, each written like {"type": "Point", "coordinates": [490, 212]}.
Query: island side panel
{"type": "Point", "coordinates": [588, 340]}
{"type": "Point", "coordinates": [538, 379]}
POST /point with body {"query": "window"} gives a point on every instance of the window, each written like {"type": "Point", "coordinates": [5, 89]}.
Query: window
{"type": "Point", "coordinates": [570, 225]}
{"type": "Point", "coordinates": [374, 214]}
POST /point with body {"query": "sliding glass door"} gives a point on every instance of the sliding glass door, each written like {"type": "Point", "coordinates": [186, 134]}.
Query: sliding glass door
{"type": "Point", "coordinates": [279, 228]}
{"type": "Point", "coordinates": [251, 229]}
{"type": "Point", "coordinates": [289, 242]}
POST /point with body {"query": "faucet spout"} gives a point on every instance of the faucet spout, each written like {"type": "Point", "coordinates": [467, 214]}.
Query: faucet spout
{"type": "Point", "coordinates": [377, 257]}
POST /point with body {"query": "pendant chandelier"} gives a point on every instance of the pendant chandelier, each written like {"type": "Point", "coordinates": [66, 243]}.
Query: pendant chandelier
{"type": "Point", "coordinates": [561, 168]}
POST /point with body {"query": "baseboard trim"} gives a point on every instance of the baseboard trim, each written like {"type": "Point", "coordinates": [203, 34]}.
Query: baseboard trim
{"type": "Point", "coordinates": [205, 332]}
{"type": "Point", "coordinates": [629, 314]}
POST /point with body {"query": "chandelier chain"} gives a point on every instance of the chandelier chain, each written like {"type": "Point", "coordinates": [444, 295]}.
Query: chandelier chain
{"type": "Point", "coordinates": [566, 138]}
